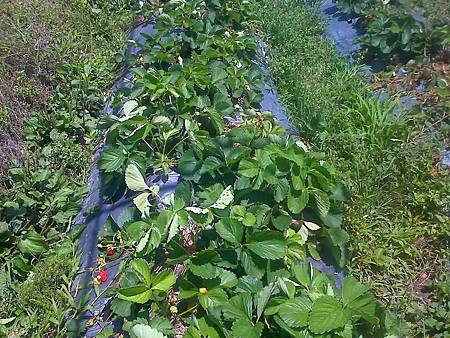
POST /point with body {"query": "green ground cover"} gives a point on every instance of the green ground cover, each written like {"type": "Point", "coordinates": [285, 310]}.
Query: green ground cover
{"type": "Point", "coordinates": [397, 219]}
{"type": "Point", "coordinates": [57, 63]}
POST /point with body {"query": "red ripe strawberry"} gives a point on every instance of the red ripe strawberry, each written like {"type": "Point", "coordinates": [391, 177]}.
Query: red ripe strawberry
{"type": "Point", "coordinates": [110, 251]}
{"type": "Point", "coordinates": [103, 275]}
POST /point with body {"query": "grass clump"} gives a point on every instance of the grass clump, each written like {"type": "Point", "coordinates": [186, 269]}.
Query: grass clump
{"type": "Point", "coordinates": [397, 218]}
{"type": "Point", "coordinates": [40, 302]}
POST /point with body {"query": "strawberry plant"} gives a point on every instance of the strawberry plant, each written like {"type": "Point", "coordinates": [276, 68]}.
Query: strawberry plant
{"type": "Point", "coordinates": [391, 30]}
{"type": "Point", "coordinates": [400, 35]}
{"type": "Point", "coordinates": [240, 225]}
{"type": "Point", "coordinates": [227, 254]}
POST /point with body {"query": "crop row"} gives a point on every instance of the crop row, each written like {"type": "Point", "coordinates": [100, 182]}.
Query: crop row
{"type": "Point", "coordinates": [228, 253]}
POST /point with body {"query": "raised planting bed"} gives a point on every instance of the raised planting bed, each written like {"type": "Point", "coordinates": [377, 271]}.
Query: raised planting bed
{"type": "Point", "coordinates": [229, 250]}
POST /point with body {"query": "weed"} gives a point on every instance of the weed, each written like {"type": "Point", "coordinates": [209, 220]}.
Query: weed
{"type": "Point", "coordinates": [41, 38]}
{"type": "Point", "coordinates": [38, 305]}
{"type": "Point", "coordinates": [52, 94]}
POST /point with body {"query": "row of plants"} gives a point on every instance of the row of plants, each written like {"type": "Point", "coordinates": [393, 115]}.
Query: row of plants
{"type": "Point", "coordinates": [41, 197]}
{"type": "Point", "coordinates": [392, 31]}
{"type": "Point", "coordinates": [228, 253]}
{"type": "Point", "coordinates": [389, 159]}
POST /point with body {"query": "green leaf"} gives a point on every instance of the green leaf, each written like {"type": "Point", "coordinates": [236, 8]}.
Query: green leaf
{"type": "Point", "coordinates": [228, 279]}
{"type": "Point", "coordinates": [262, 299]}
{"type": "Point", "coordinates": [142, 203]}
{"type": "Point", "coordinates": [287, 286]}
{"type": "Point", "coordinates": [137, 294]}
{"type": "Point", "coordinates": [395, 27]}
{"type": "Point", "coordinates": [173, 227]}
{"type": "Point", "coordinates": [327, 314]}
{"type": "Point", "coordinates": [245, 328]}
{"type": "Point", "coordinates": [268, 244]}
{"type": "Point", "coordinates": [4, 321]}
{"type": "Point", "coordinates": [32, 243]}
{"type": "Point", "coordinates": [206, 329]}
{"type": "Point", "coordinates": [312, 248]}
{"type": "Point", "coordinates": [297, 178]}
{"type": "Point", "coordinates": [269, 174]}
{"type": "Point", "coordinates": [253, 265]}
{"type": "Point", "coordinates": [214, 297]}
{"type": "Point", "coordinates": [281, 190]}
{"type": "Point", "coordinates": [164, 281]}
{"type": "Point", "coordinates": [338, 236]}
{"type": "Point", "coordinates": [341, 193]}
{"type": "Point", "coordinates": [406, 35]}
{"type": "Point", "coordinates": [146, 331]}
{"type": "Point", "coordinates": [112, 159]}
{"type": "Point", "coordinates": [197, 210]}
{"type": "Point", "coordinates": [205, 271]}
{"type": "Point", "coordinates": [294, 333]}
{"type": "Point", "coordinates": [235, 154]}
{"type": "Point", "coordinates": [365, 306]}
{"type": "Point", "coordinates": [134, 179]}
{"type": "Point", "coordinates": [210, 165]}
{"type": "Point", "coordinates": [322, 202]}
{"type": "Point", "coordinates": [161, 324]}
{"type": "Point", "coordinates": [295, 312]}
{"type": "Point", "coordinates": [332, 220]}
{"type": "Point", "coordinates": [248, 168]}
{"type": "Point", "coordinates": [303, 273]}
{"type": "Point", "coordinates": [162, 121]}
{"type": "Point", "coordinates": [297, 200]}
{"type": "Point", "coordinates": [311, 226]}
{"type": "Point", "coordinates": [143, 242]}
{"type": "Point", "coordinates": [230, 230]}
{"type": "Point", "coordinates": [375, 41]}
{"type": "Point", "coordinates": [129, 106]}
{"type": "Point", "coordinates": [352, 289]}
{"type": "Point", "coordinates": [282, 222]}
{"type": "Point", "coordinates": [143, 269]}
{"type": "Point", "coordinates": [347, 331]}
{"type": "Point", "coordinates": [188, 165]}
{"type": "Point", "coordinates": [249, 219]}
{"type": "Point", "coordinates": [239, 306]}
{"type": "Point", "coordinates": [192, 332]}
{"type": "Point", "coordinates": [187, 289]}
{"type": "Point", "coordinates": [225, 198]}
{"type": "Point", "coordinates": [262, 213]}
{"type": "Point", "coordinates": [218, 74]}
{"type": "Point", "coordinates": [121, 307]}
